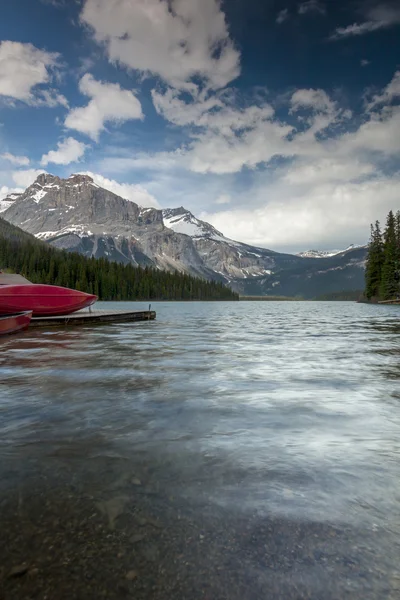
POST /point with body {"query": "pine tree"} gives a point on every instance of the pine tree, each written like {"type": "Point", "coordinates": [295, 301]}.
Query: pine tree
{"type": "Point", "coordinates": [375, 260]}
{"type": "Point", "coordinates": [389, 287]}
{"type": "Point", "coordinates": [41, 263]}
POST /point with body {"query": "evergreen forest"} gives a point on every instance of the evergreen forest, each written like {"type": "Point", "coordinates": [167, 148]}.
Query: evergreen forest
{"type": "Point", "coordinates": [40, 263]}
{"type": "Point", "coordinates": [382, 274]}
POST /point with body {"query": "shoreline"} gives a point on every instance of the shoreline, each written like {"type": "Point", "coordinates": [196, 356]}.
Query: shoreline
{"type": "Point", "coordinates": [60, 540]}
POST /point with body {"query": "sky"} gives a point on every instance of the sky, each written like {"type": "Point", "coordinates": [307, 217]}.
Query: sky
{"type": "Point", "coordinates": [278, 121]}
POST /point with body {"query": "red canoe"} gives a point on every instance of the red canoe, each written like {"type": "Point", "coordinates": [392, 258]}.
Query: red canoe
{"type": "Point", "coordinates": [43, 300]}
{"type": "Point", "coordinates": [13, 323]}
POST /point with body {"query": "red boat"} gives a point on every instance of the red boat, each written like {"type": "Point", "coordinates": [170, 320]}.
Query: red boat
{"type": "Point", "coordinates": [42, 300]}
{"type": "Point", "coordinates": [14, 323]}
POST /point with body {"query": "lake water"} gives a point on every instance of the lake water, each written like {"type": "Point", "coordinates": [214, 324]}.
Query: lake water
{"type": "Point", "coordinates": [226, 450]}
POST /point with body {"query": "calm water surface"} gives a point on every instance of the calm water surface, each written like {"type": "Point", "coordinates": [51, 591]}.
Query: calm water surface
{"type": "Point", "coordinates": [255, 411]}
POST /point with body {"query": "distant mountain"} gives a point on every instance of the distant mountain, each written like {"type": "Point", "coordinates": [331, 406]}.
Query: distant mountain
{"type": "Point", "coordinates": [313, 277]}
{"type": "Point", "coordinates": [76, 214]}
{"type": "Point", "coordinates": [183, 221]}
{"type": "Point", "coordinates": [7, 202]}
{"type": "Point", "coordinates": [326, 253]}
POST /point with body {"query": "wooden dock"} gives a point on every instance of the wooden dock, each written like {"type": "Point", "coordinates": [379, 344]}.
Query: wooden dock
{"type": "Point", "coordinates": [94, 317]}
{"type": "Point", "coordinates": [397, 301]}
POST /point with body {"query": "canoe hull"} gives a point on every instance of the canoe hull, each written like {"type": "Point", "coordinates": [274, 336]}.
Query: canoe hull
{"type": "Point", "coordinates": [43, 300]}
{"type": "Point", "coordinates": [13, 323]}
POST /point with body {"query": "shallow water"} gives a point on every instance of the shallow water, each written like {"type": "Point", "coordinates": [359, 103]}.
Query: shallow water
{"type": "Point", "coordinates": [253, 411]}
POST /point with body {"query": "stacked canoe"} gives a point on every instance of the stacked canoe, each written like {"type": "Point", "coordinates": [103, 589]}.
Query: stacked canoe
{"type": "Point", "coordinates": [20, 300]}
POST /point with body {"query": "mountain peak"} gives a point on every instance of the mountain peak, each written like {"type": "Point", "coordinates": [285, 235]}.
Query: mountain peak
{"type": "Point", "coordinates": [80, 178]}
{"type": "Point", "coordinates": [183, 221]}
{"type": "Point", "coordinates": [45, 179]}
{"type": "Point", "coordinates": [326, 253]}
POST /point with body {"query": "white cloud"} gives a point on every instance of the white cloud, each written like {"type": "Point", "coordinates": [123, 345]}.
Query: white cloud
{"type": "Point", "coordinates": [170, 106]}
{"type": "Point", "coordinates": [282, 16]}
{"type": "Point", "coordinates": [109, 103]}
{"type": "Point", "coordinates": [390, 92]}
{"type": "Point", "coordinates": [325, 215]}
{"type": "Point", "coordinates": [135, 193]}
{"type": "Point", "coordinates": [214, 152]}
{"type": "Point", "coordinates": [68, 151]}
{"type": "Point", "coordinates": [226, 138]}
{"type": "Point", "coordinates": [317, 100]}
{"type": "Point", "coordinates": [311, 6]}
{"type": "Point", "coordinates": [329, 169]}
{"type": "Point", "coordinates": [365, 62]}
{"type": "Point", "coordinates": [20, 161]}
{"type": "Point", "coordinates": [175, 40]}
{"type": "Point", "coordinates": [6, 191]}
{"type": "Point", "coordinates": [311, 194]}
{"type": "Point", "coordinates": [25, 178]}
{"type": "Point", "coordinates": [379, 134]}
{"type": "Point", "coordinates": [223, 199]}
{"type": "Point", "coordinates": [24, 69]}
{"type": "Point", "coordinates": [377, 17]}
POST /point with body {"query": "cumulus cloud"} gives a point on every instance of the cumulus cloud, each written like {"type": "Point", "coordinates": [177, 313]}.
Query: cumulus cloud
{"type": "Point", "coordinates": [282, 16]}
{"type": "Point", "coordinates": [109, 103]}
{"type": "Point", "coordinates": [24, 70]}
{"type": "Point", "coordinates": [316, 189]}
{"type": "Point", "coordinates": [68, 151]}
{"type": "Point", "coordinates": [133, 192]}
{"type": "Point", "coordinates": [377, 17]}
{"type": "Point", "coordinates": [317, 100]}
{"type": "Point", "coordinates": [311, 6]}
{"type": "Point", "coordinates": [26, 177]}
{"type": "Point", "coordinates": [7, 191]}
{"type": "Point", "coordinates": [325, 215]}
{"type": "Point", "coordinates": [226, 138]}
{"type": "Point", "coordinates": [176, 40]}
{"type": "Point", "coordinates": [223, 199]}
{"type": "Point", "coordinates": [390, 92]}
{"type": "Point", "coordinates": [175, 110]}
{"type": "Point", "coordinates": [326, 170]}
{"type": "Point", "coordinates": [20, 161]}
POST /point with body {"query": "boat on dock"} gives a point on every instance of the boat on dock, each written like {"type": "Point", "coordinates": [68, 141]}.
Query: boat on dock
{"type": "Point", "coordinates": [55, 306]}
{"type": "Point", "coordinates": [13, 323]}
{"type": "Point", "coordinates": [42, 300]}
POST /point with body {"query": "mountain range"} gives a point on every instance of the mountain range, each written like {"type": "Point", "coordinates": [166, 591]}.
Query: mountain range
{"type": "Point", "coordinates": [78, 215]}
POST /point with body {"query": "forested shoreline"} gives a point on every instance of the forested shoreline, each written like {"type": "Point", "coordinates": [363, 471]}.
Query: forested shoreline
{"type": "Point", "coordinates": [382, 274]}
{"type": "Point", "coordinates": [40, 263]}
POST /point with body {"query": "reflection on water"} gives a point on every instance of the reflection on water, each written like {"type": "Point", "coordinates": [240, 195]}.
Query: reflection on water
{"type": "Point", "coordinates": [253, 410]}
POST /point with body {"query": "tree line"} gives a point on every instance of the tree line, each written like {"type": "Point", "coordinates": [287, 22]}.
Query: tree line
{"type": "Point", "coordinates": [40, 263]}
{"type": "Point", "coordinates": [382, 274]}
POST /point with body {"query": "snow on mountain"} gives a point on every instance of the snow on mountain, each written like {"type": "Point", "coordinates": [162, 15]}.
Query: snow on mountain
{"type": "Point", "coordinates": [183, 221]}
{"type": "Point", "coordinates": [326, 253]}
{"type": "Point", "coordinates": [7, 202]}
{"type": "Point", "coordinates": [76, 214]}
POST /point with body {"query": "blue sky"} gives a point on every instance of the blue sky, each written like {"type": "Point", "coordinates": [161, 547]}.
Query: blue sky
{"type": "Point", "coordinates": [276, 120]}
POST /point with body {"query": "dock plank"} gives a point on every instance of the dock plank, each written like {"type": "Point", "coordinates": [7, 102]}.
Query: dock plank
{"type": "Point", "coordinates": [93, 317]}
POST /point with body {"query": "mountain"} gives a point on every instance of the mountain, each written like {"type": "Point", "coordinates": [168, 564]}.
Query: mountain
{"type": "Point", "coordinates": [313, 277]}
{"type": "Point", "coordinates": [325, 253]}
{"type": "Point", "coordinates": [76, 214]}
{"type": "Point", "coordinates": [182, 221]}
{"type": "Point", "coordinates": [15, 234]}
{"type": "Point", "coordinates": [39, 262]}
{"type": "Point", "coordinates": [7, 202]}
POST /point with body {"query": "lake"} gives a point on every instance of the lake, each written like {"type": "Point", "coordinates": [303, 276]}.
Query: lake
{"type": "Point", "coordinates": [226, 450]}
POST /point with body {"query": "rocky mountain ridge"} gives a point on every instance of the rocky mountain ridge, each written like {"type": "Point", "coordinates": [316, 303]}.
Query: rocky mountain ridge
{"type": "Point", "coordinates": [76, 214]}
{"type": "Point", "coordinates": [326, 253]}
